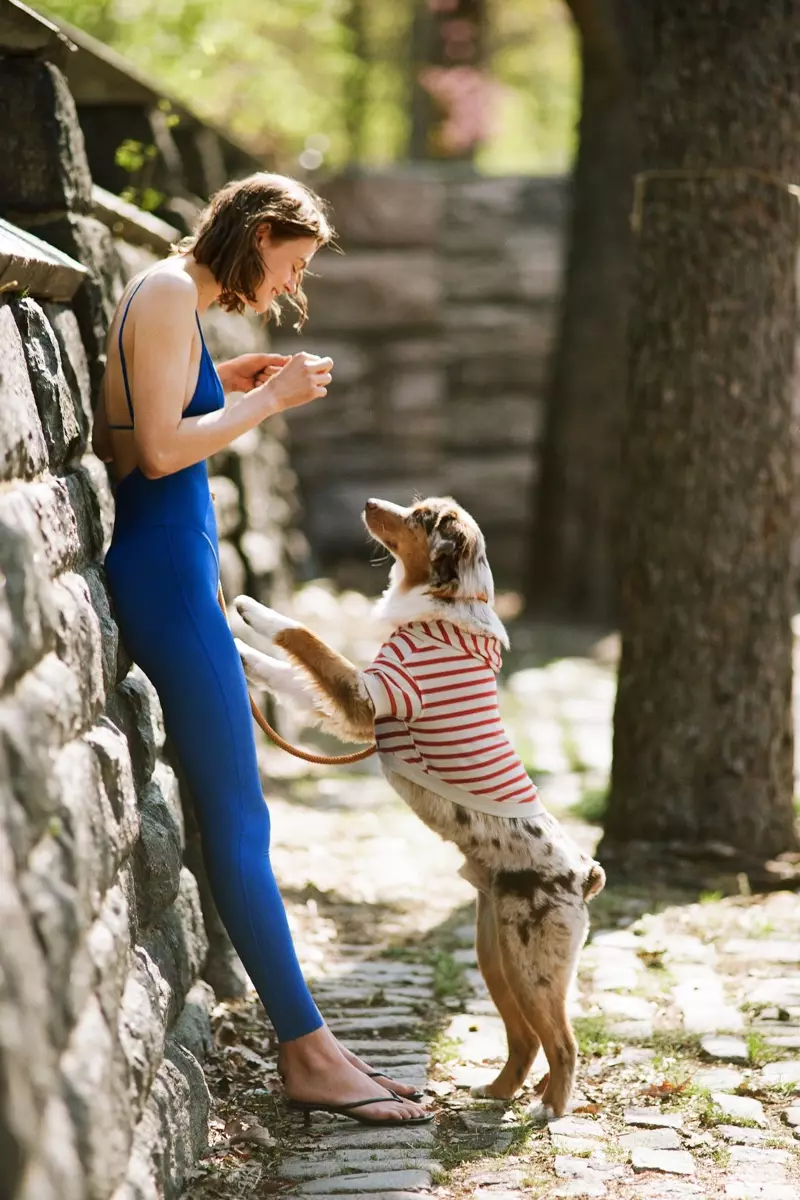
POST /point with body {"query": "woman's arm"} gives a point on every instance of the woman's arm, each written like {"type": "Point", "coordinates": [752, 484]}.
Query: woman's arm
{"type": "Point", "coordinates": [246, 371]}
{"type": "Point", "coordinates": [166, 441]}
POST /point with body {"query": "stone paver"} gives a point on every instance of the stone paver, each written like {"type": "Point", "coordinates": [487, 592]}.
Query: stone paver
{"type": "Point", "coordinates": [764, 951]}
{"type": "Point", "coordinates": [718, 1079]}
{"type": "Point", "coordinates": [653, 1117]}
{"type": "Point", "coordinates": [704, 1008]}
{"type": "Point", "coordinates": [726, 1049]}
{"type": "Point", "coordinates": [739, 1190]}
{"type": "Point", "coordinates": [578, 1127]}
{"type": "Point", "coordinates": [575, 1188]}
{"type": "Point", "coordinates": [781, 1072]}
{"type": "Point", "coordinates": [671, 1162]}
{"type": "Point", "coordinates": [740, 1109]}
{"type": "Point", "coordinates": [650, 1139]}
{"type": "Point", "coordinates": [632, 1007]}
{"type": "Point", "coordinates": [371, 1182]}
{"type": "Point", "coordinates": [741, 1134]}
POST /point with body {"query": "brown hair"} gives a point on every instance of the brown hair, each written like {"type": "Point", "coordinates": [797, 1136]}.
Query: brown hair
{"type": "Point", "coordinates": [225, 238]}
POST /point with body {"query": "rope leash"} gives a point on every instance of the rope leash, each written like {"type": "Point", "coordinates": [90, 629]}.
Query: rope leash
{"type": "Point", "coordinates": [322, 760]}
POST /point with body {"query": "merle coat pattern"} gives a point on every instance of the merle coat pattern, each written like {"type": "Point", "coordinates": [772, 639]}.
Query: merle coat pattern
{"type": "Point", "coordinates": [533, 882]}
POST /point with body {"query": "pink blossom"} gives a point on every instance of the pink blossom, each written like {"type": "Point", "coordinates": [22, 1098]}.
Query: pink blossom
{"type": "Point", "coordinates": [465, 95]}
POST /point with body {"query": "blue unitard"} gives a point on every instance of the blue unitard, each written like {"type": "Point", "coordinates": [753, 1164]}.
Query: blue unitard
{"type": "Point", "coordinates": [163, 570]}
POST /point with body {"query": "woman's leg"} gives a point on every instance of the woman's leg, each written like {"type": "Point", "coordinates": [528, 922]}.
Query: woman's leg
{"type": "Point", "coordinates": [164, 591]}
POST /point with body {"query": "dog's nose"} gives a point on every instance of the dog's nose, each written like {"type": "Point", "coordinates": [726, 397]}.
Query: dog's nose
{"type": "Point", "coordinates": [371, 505]}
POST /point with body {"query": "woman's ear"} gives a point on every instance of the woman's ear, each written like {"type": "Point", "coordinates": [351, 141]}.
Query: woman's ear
{"type": "Point", "coordinates": [263, 235]}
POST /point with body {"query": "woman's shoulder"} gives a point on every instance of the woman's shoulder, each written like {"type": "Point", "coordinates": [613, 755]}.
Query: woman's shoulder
{"type": "Point", "coordinates": [166, 284]}
{"type": "Point", "coordinates": [161, 297]}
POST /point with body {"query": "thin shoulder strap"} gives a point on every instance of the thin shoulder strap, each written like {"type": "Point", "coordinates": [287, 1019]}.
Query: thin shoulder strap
{"type": "Point", "coordinates": [122, 355]}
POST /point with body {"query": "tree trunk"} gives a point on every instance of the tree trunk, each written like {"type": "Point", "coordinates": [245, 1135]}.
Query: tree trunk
{"type": "Point", "coordinates": [450, 91]}
{"type": "Point", "coordinates": [703, 739]}
{"type": "Point", "coordinates": [356, 83]}
{"type": "Point", "coordinates": [572, 572]}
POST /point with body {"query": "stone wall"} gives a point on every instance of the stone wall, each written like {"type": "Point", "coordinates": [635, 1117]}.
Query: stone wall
{"type": "Point", "coordinates": [104, 1013]}
{"type": "Point", "coordinates": [439, 317]}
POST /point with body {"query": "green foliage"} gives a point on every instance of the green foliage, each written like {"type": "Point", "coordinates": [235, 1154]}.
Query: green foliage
{"type": "Point", "coordinates": [132, 155]}
{"type": "Point", "coordinates": [534, 58]}
{"type": "Point", "coordinates": [325, 82]}
{"type": "Point", "coordinates": [592, 1036]}
{"type": "Point", "coordinates": [448, 976]}
{"type": "Point", "coordinates": [591, 807]}
{"type": "Point", "coordinates": [758, 1049]}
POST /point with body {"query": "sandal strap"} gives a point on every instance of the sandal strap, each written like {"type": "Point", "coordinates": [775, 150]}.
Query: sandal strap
{"type": "Point", "coordinates": [392, 1099]}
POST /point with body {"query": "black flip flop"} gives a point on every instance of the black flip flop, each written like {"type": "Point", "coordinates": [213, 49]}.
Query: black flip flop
{"type": "Point", "coordinates": [415, 1095]}
{"type": "Point", "coordinates": [307, 1107]}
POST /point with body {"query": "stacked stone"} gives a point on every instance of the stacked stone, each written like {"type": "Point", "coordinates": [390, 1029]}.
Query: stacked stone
{"type": "Point", "coordinates": [103, 938]}
{"type": "Point", "coordinates": [439, 317]}
{"type": "Point", "coordinates": [103, 1016]}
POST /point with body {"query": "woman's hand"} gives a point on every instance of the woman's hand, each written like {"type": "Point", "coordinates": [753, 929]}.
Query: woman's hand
{"type": "Point", "coordinates": [305, 377]}
{"type": "Point", "coordinates": [247, 371]}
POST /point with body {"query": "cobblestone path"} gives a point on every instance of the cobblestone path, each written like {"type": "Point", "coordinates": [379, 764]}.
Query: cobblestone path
{"type": "Point", "coordinates": [687, 1007]}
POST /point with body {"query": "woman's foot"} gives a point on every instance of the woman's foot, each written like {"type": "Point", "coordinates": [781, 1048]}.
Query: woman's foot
{"type": "Point", "coordinates": [315, 1068]}
{"type": "Point", "coordinates": [403, 1089]}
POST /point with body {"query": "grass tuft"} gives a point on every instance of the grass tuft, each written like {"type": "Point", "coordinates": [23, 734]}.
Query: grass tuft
{"type": "Point", "coordinates": [593, 1036]}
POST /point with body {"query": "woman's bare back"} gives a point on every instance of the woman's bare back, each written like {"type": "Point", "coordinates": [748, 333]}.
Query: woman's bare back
{"type": "Point", "coordinates": [113, 407]}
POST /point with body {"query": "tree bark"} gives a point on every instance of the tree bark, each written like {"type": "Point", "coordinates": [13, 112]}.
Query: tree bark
{"type": "Point", "coordinates": [449, 86]}
{"type": "Point", "coordinates": [356, 84]}
{"type": "Point", "coordinates": [572, 570]}
{"type": "Point", "coordinates": [703, 736]}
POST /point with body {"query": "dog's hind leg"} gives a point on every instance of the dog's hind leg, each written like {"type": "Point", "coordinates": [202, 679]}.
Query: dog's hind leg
{"type": "Point", "coordinates": [538, 956]}
{"type": "Point", "coordinates": [523, 1043]}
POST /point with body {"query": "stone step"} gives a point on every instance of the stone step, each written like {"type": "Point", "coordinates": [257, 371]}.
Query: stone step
{"type": "Point", "coordinates": [341, 1137]}
{"type": "Point", "coordinates": [322, 1164]}
{"type": "Point", "coordinates": [367, 1024]}
{"type": "Point", "coordinates": [386, 1046]}
{"type": "Point", "coordinates": [373, 1182]}
{"type": "Point", "coordinates": [384, 1195]}
{"type": "Point", "coordinates": [332, 992]}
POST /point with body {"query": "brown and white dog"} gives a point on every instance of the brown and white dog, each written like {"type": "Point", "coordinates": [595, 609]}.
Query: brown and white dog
{"type": "Point", "coordinates": [533, 881]}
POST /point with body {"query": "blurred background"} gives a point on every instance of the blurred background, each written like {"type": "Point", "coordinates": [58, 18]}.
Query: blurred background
{"type": "Point", "coordinates": [442, 132]}
{"type": "Point", "coordinates": [328, 84]}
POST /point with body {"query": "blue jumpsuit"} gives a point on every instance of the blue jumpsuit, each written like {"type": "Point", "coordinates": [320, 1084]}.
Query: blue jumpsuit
{"type": "Point", "coordinates": [163, 570]}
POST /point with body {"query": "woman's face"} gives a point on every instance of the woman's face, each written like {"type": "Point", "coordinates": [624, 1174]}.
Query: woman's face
{"type": "Point", "coordinates": [284, 263]}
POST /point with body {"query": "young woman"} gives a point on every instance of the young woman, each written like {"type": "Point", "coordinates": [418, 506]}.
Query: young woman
{"type": "Point", "coordinates": [162, 412]}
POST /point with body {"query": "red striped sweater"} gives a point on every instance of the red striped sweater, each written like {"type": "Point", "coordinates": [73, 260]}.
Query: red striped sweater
{"type": "Point", "coordinates": [437, 720]}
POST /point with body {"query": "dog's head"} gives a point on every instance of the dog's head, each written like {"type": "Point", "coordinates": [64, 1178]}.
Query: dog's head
{"type": "Point", "coordinates": [438, 549]}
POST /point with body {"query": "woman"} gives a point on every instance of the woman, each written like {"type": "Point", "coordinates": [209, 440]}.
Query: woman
{"type": "Point", "coordinates": [161, 414]}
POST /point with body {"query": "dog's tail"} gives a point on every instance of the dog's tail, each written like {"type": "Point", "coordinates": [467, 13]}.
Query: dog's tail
{"type": "Point", "coordinates": [595, 881]}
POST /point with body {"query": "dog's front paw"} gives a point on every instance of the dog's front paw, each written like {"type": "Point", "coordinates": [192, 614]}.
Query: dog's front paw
{"type": "Point", "coordinates": [264, 622]}
{"type": "Point", "coordinates": [281, 678]}
{"type": "Point", "coordinates": [262, 670]}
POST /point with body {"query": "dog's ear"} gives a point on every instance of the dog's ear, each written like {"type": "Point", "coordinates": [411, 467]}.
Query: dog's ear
{"type": "Point", "coordinates": [448, 544]}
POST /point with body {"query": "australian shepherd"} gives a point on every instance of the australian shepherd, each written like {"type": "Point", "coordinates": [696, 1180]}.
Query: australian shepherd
{"type": "Point", "coordinates": [430, 701]}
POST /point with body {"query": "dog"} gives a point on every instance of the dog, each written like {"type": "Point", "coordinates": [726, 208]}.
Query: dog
{"type": "Point", "coordinates": [430, 700]}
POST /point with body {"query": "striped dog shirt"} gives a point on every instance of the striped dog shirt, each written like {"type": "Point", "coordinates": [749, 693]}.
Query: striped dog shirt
{"type": "Point", "coordinates": [437, 719]}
